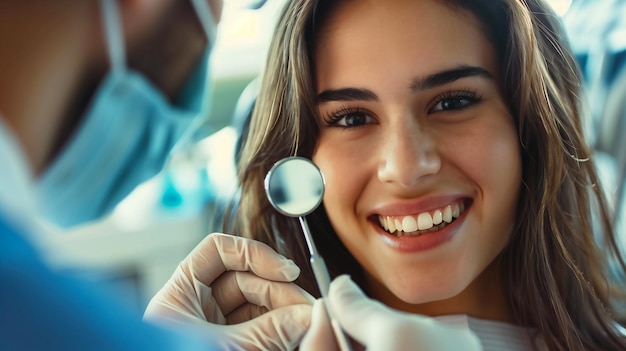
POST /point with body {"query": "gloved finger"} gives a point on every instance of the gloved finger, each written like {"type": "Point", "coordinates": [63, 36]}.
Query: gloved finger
{"type": "Point", "coordinates": [381, 328]}
{"type": "Point", "coordinates": [245, 313]}
{"type": "Point", "coordinates": [226, 293]}
{"type": "Point", "coordinates": [350, 305]}
{"type": "Point", "coordinates": [320, 335]}
{"type": "Point", "coordinates": [280, 329]}
{"type": "Point", "coordinates": [234, 289]}
{"type": "Point", "coordinates": [183, 299]}
{"type": "Point", "coordinates": [365, 319]}
{"type": "Point", "coordinates": [218, 253]}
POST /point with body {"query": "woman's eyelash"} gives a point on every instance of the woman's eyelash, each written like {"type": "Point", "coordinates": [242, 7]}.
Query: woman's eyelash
{"type": "Point", "coordinates": [448, 101]}
{"type": "Point", "coordinates": [470, 97]}
{"type": "Point", "coordinates": [334, 117]}
{"type": "Point", "coordinates": [466, 94]}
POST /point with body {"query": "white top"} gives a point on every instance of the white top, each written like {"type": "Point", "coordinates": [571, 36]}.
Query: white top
{"type": "Point", "coordinates": [498, 336]}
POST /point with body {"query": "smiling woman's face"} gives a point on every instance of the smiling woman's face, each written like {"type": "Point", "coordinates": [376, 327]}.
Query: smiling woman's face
{"type": "Point", "coordinates": [419, 151]}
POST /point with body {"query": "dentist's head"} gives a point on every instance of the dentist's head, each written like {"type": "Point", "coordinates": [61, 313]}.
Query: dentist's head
{"type": "Point", "coordinates": [99, 91]}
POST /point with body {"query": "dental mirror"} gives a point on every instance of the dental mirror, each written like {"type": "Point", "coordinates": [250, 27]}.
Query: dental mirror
{"type": "Point", "coordinates": [295, 187]}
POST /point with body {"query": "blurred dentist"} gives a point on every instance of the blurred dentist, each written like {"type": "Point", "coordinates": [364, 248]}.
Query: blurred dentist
{"type": "Point", "coordinates": [94, 94]}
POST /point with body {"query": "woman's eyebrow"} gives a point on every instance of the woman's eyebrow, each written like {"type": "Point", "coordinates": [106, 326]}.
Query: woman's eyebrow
{"type": "Point", "coordinates": [346, 94]}
{"type": "Point", "coordinates": [428, 82]}
{"type": "Point", "coordinates": [448, 76]}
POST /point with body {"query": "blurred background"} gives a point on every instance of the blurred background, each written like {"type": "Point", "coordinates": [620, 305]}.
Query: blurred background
{"type": "Point", "coordinates": [137, 248]}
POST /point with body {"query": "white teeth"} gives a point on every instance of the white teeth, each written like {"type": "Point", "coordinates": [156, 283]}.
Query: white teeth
{"type": "Point", "coordinates": [409, 224]}
{"type": "Point", "coordinates": [455, 211]}
{"type": "Point", "coordinates": [392, 225]}
{"type": "Point", "coordinates": [437, 217]}
{"type": "Point", "coordinates": [424, 221]}
{"type": "Point", "coordinates": [447, 214]}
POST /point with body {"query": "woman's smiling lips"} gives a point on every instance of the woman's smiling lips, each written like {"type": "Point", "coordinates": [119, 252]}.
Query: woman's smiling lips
{"type": "Point", "coordinates": [420, 227]}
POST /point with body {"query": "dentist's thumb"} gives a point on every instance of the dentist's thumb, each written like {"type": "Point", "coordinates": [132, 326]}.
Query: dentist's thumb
{"type": "Point", "coordinates": [379, 327]}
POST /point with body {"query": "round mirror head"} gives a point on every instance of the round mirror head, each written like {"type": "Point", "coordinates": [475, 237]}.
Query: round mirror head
{"type": "Point", "coordinates": [294, 186]}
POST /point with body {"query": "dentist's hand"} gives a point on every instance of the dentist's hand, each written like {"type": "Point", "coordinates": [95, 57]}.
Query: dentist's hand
{"type": "Point", "coordinates": [240, 292]}
{"type": "Point", "coordinates": [378, 327]}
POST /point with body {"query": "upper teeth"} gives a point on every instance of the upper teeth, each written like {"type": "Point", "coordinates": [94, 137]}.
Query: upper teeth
{"type": "Point", "coordinates": [421, 221]}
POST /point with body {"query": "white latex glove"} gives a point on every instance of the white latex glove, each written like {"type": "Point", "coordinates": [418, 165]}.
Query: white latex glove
{"type": "Point", "coordinates": [378, 327]}
{"type": "Point", "coordinates": [239, 292]}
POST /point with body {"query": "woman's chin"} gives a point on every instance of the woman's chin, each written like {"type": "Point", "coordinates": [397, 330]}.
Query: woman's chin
{"type": "Point", "coordinates": [408, 298]}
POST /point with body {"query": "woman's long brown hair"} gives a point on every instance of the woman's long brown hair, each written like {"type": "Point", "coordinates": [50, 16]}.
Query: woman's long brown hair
{"type": "Point", "coordinates": [556, 267]}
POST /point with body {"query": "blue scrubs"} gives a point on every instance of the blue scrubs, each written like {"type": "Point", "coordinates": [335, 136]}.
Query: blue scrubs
{"type": "Point", "coordinates": [44, 310]}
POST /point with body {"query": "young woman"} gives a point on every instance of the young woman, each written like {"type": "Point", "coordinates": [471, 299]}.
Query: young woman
{"type": "Point", "coordinates": [458, 181]}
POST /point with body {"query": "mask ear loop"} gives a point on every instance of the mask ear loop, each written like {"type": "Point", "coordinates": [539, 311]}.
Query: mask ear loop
{"type": "Point", "coordinates": [113, 34]}
{"type": "Point", "coordinates": [205, 16]}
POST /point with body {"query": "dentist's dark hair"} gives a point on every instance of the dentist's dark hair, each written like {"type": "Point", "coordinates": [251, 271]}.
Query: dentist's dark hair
{"type": "Point", "coordinates": [555, 269]}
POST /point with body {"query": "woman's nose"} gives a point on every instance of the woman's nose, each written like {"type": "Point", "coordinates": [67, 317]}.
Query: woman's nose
{"type": "Point", "coordinates": [408, 154]}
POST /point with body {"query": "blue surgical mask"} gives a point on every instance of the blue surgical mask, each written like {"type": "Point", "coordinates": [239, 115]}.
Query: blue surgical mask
{"type": "Point", "coordinates": [125, 137]}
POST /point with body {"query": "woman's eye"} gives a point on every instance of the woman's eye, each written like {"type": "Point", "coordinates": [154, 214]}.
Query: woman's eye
{"type": "Point", "coordinates": [455, 102]}
{"type": "Point", "coordinates": [354, 119]}
{"type": "Point", "coordinates": [349, 119]}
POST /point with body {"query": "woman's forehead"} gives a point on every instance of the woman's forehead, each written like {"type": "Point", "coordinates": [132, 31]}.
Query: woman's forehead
{"type": "Point", "coordinates": [362, 42]}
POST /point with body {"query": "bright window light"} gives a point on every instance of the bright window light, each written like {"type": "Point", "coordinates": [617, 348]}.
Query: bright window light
{"type": "Point", "coordinates": [560, 6]}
